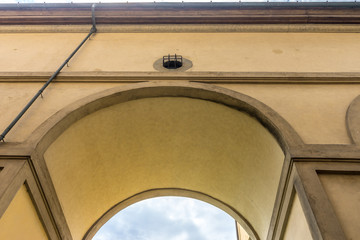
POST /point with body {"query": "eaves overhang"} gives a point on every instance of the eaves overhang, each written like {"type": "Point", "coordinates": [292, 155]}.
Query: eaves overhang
{"type": "Point", "coordinates": [182, 13]}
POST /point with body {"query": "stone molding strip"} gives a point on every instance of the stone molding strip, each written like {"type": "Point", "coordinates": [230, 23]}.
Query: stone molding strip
{"type": "Point", "coordinates": [17, 171]}
{"type": "Point", "coordinates": [160, 192]}
{"type": "Point", "coordinates": [52, 128]}
{"type": "Point", "coordinates": [184, 28]}
{"type": "Point", "coordinates": [183, 13]}
{"type": "Point", "coordinates": [201, 77]}
{"type": "Point", "coordinates": [353, 120]}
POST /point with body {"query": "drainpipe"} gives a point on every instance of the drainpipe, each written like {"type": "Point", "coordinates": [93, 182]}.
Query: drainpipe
{"type": "Point", "coordinates": [39, 93]}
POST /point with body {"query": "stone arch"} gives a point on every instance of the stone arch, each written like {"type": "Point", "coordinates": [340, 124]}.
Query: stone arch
{"type": "Point", "coordinates": [163, 193]}
{"type": "Point", "coordinates": [45, 134]}
{"type": "Point", "coordinates": [71, 145]}
{"type": "Point", "coordinates": [353, 120]}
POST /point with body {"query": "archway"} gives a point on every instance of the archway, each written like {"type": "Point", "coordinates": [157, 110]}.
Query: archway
{"type": "Point", "coordinates": [113, 146]}
{"type": "Point", "coordinates": [169, 214]}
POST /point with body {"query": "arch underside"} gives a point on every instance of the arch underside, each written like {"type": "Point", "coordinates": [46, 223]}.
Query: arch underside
{"type": "Point", "coordinates": [166, 192]}
{"type": "Point", "coordinates": [201, 146]}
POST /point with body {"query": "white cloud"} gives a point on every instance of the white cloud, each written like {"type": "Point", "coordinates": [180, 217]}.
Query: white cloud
{"type": "Point", "coordinates": [169, 218]}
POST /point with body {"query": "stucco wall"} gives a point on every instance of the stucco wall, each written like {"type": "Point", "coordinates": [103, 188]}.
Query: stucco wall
{"type": "Point", "coordinates": [297, 227]}
{"type": "Point", "coordinates": [227, 52]}
{"type": "Point", "coordinates": [316, 112]}
{"type": "Point", "coordinates": [20, 220]}
{"type": "Point", "coordinates": [344, 194]}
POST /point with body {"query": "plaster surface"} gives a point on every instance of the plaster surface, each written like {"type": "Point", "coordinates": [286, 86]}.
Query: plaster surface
{"type": "Point", "coordinates": [316, 112]}
{"type": "Point", "coordinates": [297, 227]}
{"type": "Point", "coordinates": [14, 97]}
{"type": "Point", "coordinates": [20, 220]}
{"type": "Point", "coordinates": [344, 194]}
{"type": "Point", "coordinates": [234, 52]}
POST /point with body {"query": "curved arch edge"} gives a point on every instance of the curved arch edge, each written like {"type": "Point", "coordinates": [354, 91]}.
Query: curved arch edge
{"type": "Point", "coordinates": [162, 192]}
{"type": "Point", "coordinates": [47, 132]}
{"type": "Point", "coordinates": [51, 129]}
{"type": "Point", "coordinates": [353, 120]}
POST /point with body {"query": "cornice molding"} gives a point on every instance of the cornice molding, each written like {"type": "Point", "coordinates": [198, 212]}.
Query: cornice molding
{"type": "Point", "coordinates": [182, 13]}
{"type": "Point", "coordinates": [204, 77]}
{"type": "Point", "coordinates": [185, 28]}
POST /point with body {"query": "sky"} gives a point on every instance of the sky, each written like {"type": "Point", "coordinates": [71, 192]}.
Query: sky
{"type": "Point", "coordinates": [169, 218]}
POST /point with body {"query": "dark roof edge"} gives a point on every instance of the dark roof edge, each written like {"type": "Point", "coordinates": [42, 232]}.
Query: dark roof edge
{"type": "Point", "coordinates": [182, 13]}
{"type": "Point", "coordinates": [181, 4]}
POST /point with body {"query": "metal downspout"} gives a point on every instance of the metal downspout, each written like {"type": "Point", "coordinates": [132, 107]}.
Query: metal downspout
{"type": "Point", "coordinates": [39, 93]}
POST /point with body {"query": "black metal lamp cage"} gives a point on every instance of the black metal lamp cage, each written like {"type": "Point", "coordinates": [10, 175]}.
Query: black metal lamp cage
{"type": "Point", "coordinates": [172, 61]}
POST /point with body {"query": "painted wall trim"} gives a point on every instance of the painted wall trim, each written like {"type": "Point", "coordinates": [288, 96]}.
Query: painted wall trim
{"type": "Point", "coordinates": [201, 77]}
{"type": "Point", "coordinates": [185, 28]}
{"type": "Point", "coordinates": [353, 120]}
{"type": "Point", "coordinates": [16, 173]}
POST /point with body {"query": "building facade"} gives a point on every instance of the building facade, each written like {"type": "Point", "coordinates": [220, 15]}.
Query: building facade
{"type": "Point", "coordinates": [261, 119]}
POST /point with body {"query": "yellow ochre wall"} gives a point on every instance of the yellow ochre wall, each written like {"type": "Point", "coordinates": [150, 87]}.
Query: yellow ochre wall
{"type": "Point", "coordinates": [226, 52]}
{"type": "Point", "coordinates": [344, 194]}
{"type": "Point", "coordinates": [305, 107]}
{"type": "Point", "coordinates": [317, 112]}
{"type": "Point", "coordinates": [297, 227]}
{"type": "Point", "coordinates": [20, 220]}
